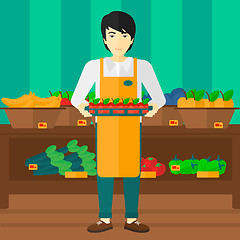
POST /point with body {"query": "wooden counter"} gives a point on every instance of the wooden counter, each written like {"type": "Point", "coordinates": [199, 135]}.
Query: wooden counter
{"type": "Point", "coordinates": [161, 142]}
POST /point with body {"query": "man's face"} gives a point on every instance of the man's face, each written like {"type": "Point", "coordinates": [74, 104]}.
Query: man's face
{"type": "Point", "coordinates": [117, 42]}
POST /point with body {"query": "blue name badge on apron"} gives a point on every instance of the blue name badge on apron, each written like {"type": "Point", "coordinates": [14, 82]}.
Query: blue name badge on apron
{"type": "Point", "coordinates": [128, 83]}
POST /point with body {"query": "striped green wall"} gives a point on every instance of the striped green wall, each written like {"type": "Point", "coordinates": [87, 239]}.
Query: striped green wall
{"type": "Point", "coordinates": [45, 44]}
{"type": "Point", "coordinates": [14, 51]}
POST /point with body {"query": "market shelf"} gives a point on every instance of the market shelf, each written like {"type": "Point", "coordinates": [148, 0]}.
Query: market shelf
{"type": "Point", "coordinates": [161, 142]}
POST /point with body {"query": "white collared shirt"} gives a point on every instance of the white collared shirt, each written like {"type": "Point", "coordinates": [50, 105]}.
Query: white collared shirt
{"type": "Point", "coordinates": [91, 75]}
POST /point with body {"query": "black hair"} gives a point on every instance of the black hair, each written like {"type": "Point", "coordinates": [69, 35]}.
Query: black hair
{"type": "Point", "coordinates": [118, 20]}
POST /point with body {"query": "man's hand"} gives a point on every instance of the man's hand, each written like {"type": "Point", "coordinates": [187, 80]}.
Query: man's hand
{"type": "Point", "coordinates": [84, 112]}
{"type": "Point", "coordinates": [152, 112]}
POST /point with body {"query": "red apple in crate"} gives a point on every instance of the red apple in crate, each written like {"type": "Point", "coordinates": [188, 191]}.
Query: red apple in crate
{"type": "Point", "coordinates": [150, 162]}
{"type": "Point", "coordinates": [159, 168]}
{"type": "Point", "coordinates": [65, 102]}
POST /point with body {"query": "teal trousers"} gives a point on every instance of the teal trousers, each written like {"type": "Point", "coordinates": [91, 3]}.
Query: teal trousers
{"type": "Point", "coordinates": [105, 193]}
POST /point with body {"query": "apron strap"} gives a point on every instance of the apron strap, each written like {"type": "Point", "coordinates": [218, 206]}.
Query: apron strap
{"type": "Point", "coordinates": [101, 68]}
{"type": "Point", "coordinates": [135, 67]}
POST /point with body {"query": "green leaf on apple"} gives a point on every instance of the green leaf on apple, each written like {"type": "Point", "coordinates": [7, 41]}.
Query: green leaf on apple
{"type": "Point", "coordinates": [126, 101]}
{"type": "Point", "coordinates": [106, 101]}
{"type": "Point", "coordinates": [228, 95]}
{"type": "Point", "coordinates": [70, 95]}
{"type": "Point", "coordinates": [65, 95]}
{"type": "Point", "coordinates": [145, 101]}
{"type": "Point", "coordinates": [199, 95]}
{"type": "Point", "coordinates": [135, 101]}
{"type": "Point", "coordinates": [116, 101]}
{"type": "Point", "coordinates": [92, 95]}
{"type": "Point", "coordinates": [190, 94]}
{"type": "Point", "coordinates": [56, 94]}
{"type": "Point", "coordinates": [96, 101]}
{"type": "Point", "coordinates": [213, 96]}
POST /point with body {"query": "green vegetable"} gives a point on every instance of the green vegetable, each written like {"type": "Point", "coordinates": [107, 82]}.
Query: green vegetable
{"type": "Point", "coordinates": [213, 96]}
{"type": "Point", "coordinates": [82, 149]}
{"type": "Point", "coordinates": [187, 167]}
{"type": "Point", "coordinates": [96, 101]}
{"type": "Point", "coordinates": [53, 155]}
{"type": "Point", "coordinates": [46, 171]}
{"type": "Point", "coordinates": [212, 166]}
{"type": "Point", "coordinates": [116, 101]}
{"type": "Point", "coordinates": [175, 161]}
{"type": "Point", "coordinates": [72, 143]}
{"type": "Point", "coordinates": [126, 101]}
{"type": "Point", "coordinates": [145, 101]}
{"type": "Point", "coordinates": [84, 155]}
{"type": "Point", "coordinates": [92, 172]}
{"type": "Point", "coordinates": [66, 165]}
{"type": "Point", "coordinates": [74, 149]}
{"type": "Point", "coordinates": [58, 163]}
{"type": "Point", "coordinates": [88, 166]}
{"type": "Point", "coordinates": [91, 100]}
{"type": "Point", "coordinates": [106, 101]}
{"type": "Point", "coordinates": [51, 149]}
{"type": "Point", "coordinates": [135, 101]}
{"type": "Point", "coordinates": [199, 95]}
{"type": "Point", "coordinates": [222, 165]}
{"type": "Point", "coordinates": [190, 94]}
{"type": "Point", "coordinates": [62, 172]}
{"type": "Point", "coordinates": [228, 95]}
{"type": "Point", "coordinates": [202, 165]}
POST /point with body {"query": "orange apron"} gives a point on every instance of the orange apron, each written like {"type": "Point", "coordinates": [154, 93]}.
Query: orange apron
{"type": "Point", "coordinates": [118, 138]}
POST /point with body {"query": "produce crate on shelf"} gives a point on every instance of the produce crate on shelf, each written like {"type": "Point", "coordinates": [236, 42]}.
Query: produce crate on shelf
{"type": "Point", "coordinates": [72, 117]}
{"type": "Point", "coordinates": [41, 118]}
{"type": "Point", "coordinates": [206, 117]}
{"type": "Point", "coordinates": [168, 115]}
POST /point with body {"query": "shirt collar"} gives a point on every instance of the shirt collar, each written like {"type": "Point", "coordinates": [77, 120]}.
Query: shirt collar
{"type": "Point", "coordinates": [126, 64]}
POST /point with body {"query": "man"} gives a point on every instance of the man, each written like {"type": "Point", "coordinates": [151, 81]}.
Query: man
{"type": "Point", "coordinates": [118, 138]}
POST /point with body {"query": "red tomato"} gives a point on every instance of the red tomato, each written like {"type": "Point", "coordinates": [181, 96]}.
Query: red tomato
{"type": "Point", "coordinates": [144, 168]}
{"type": "Point", "coordinates": [159, 168]}
{"type": "Point", "coordinates": [142, 161]}
{"type": "Point", "coordinates": [150, 162]}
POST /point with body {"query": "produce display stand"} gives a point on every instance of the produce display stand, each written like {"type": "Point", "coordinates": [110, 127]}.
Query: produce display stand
{"type": "Point", "coordinates": [163, 143]}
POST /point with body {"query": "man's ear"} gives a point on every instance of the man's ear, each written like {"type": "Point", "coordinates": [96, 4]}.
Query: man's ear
{"type": "Point", "coordinates": [132, 41]}
{"type": "Point", "coordinates": [104, 41]}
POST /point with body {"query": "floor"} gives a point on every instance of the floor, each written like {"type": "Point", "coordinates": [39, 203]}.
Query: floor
{"type": "Point", "coordinates": [169, 217]}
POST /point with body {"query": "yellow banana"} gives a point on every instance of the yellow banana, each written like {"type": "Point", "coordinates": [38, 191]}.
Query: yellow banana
{"type": "Point", "coordinates": [53, 104]}
{"type": "Point", "coordinates": [46, 101]}
{"type": "Point", "coordinates": [31, 103]}
{"type": "Point", "coordinates": [18, 102]}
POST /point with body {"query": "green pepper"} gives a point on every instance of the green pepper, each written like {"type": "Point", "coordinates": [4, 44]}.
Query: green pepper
{"type": "Point", "coordinates": [175, 161]}
{"type": "Point", "coordinates": [202, 165]}
{"type": "Point", "coordinates": [221, 165]}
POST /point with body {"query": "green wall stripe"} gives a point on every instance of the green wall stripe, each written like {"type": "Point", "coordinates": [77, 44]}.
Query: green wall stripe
{"type": "Point", "coordinates": [76, 44]}
{"type": "Point", "coordinates": [98, 10]}
{"type": "Point", "coordinates": [14, 49]}
{"type": "Point", "coordinates": [226, 49]}
{"type": "Point", "coordinates": [45, 46]}
{"type": "Point", "coordinates": [197, 44]}
{"type": "Point", "coordinates": [166, 43]}
{"type": "Point", "coordinates": [141, 13]}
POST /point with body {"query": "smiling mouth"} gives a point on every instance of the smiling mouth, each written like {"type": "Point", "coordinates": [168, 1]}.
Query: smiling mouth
{"type": "Point", "coordinates": [118, 48]}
